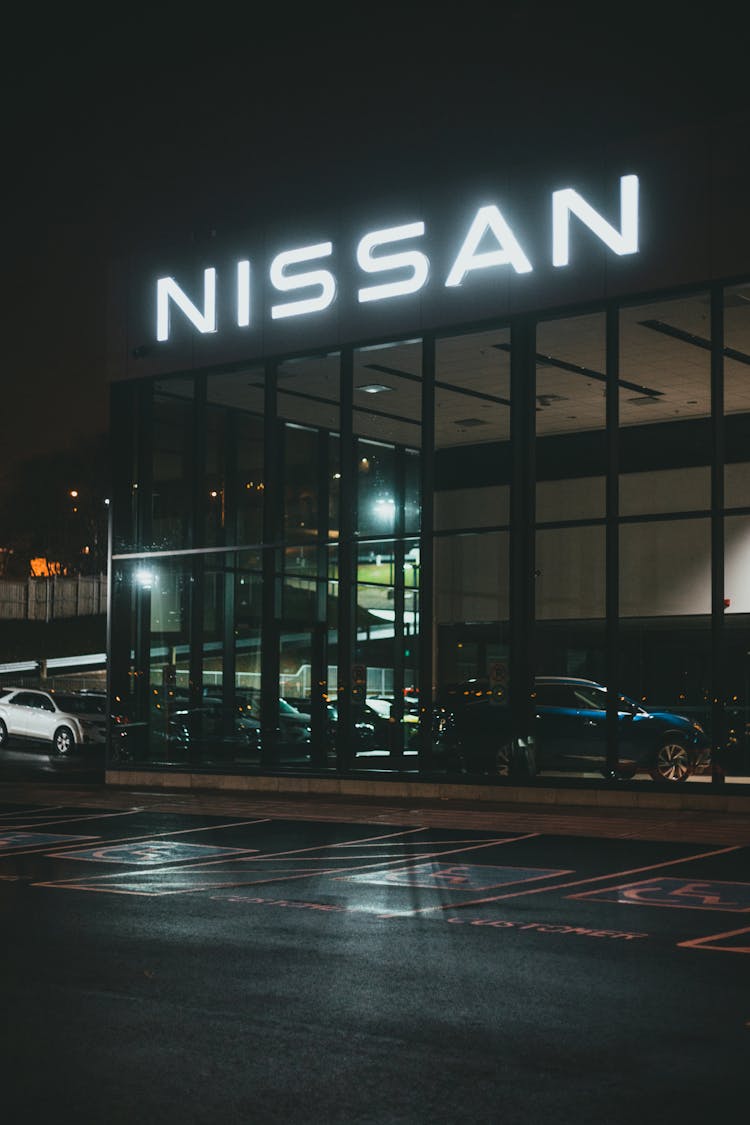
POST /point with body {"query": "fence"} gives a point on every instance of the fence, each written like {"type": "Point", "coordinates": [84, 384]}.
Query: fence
{"type": "Point", "coordinates": [45, 599]}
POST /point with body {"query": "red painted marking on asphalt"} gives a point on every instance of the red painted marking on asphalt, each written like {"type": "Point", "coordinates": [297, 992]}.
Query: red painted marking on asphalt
{"type": "Point", "coordinates": [70, 884]}
{"type": "Point", "coordinates": [456, 877]}
{"type": "Point", "coordinates": [492, 923]}
{"type": "Point", "coordinates": [299, 904]}
{"type": "Point", "coordinates": [433, 843]}
{"type": "Point", "coordinates": [49, 848]}
{"type": "Point", "coordinates": [546, 928]}
{"type": "Point", "coordinates": [575, 883]}
{"type": "Point", "coordinates": [707, 943]}
{"type": "Point", "coordinates": [145, 837]}
{"type": "Point", "coordinates": [30, 812]}
{"type": "Point", "coordinates": [62, 820]}
{"type": "Point", "coordinates": [688, 894]}
{"type": "Point", "coordinates": [148, 851]}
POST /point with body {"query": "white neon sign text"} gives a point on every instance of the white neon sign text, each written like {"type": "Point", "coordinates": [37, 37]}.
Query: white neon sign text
{"type": "Point", "coordinates": [287, 283]}
{"type": "Point", "coordinates": [568, 202]}
{"type": "Point", "coordinates": [413, 260]}
{"type": "Point", "coordinates": [167, 289]}
{"type": "Point", "coordinates": [489, 244]}
{"type": "Point", "coordinates": [508, 252]}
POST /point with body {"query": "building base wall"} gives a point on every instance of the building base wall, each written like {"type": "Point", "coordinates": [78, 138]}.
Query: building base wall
{"type": "Point", "coordinates": [684, 799]}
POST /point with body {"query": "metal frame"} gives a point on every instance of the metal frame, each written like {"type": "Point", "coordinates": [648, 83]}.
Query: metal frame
{"type": "Point", "coordinates": [138, 418]}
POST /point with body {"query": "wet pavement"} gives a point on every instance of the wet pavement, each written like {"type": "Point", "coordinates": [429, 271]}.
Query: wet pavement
{"type": "Point", "coordinates": [206, 957]}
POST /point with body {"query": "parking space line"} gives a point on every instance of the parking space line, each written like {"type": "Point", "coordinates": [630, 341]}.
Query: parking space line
{"type": "Point", "coordinates": [179, 832]}
{"type": "Point", "coordinates": [72, 884]}
{"type": "Point", "coordinates": [574, 883]}
{"type": "Point", "coordinates": [709, 943]}
{"type": "Point", "coordinates": [132, 839]}
{"type": "Point", "coordinates": [34, 811]}
{"type": "Point", "coordinates": [462, 877]}
{"type": "Point", "coordinates": [676, 894]}
{"type": "Point", "coordinates": [375, 842]}
{"type": "Point", "coordinates": [77, 819]}
{"type": "Point", "coordinates": [144, 852]}
{"type": "Point", "coordinates": [77, 884]}
{"type": "Point", "coordinates": [40, 841]}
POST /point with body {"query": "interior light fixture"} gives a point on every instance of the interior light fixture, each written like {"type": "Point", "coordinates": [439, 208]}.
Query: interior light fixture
{"type": "Point", "coordinates": [374, 388]}
{"type": "Point", "coordinates": [145, 578]}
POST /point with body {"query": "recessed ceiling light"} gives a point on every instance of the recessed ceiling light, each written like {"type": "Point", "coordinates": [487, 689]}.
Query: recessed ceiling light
{"type": "Point", "coordinates": [374, 388]}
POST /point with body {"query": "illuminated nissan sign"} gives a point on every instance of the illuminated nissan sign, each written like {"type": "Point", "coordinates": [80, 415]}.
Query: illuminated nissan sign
{"type": "Point", "coordinates": [392, 264]}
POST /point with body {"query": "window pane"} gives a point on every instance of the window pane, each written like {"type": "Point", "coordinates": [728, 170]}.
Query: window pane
{"type": "Point", "coordinates": [737, 395]}
{"type": "Point", "coordinates": [665, 406]}
{"type": "Point", "coordinates": [570, 418]}
{"type": "Point", "coordinates": [172, 498]}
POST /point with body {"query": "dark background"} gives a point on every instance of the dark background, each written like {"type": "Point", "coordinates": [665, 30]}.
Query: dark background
{"type": "Point", "coordinates": [117, 132]}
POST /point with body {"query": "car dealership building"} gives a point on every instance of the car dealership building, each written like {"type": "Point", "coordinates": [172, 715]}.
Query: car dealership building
{"type": "Point", "coordinates": [381, 459]}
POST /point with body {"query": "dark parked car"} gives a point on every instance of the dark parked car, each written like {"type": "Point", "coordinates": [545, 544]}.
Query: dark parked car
{"type": "Point", "coordinates": [473, 732]}
{"type": "Point", "coordinates": [177, 726]}
{"type": "Point", "coordinates": [371, 730]}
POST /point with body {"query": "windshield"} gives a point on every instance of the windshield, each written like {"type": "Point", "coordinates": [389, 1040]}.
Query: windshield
{"type": "Point", "coordinates": [596, 698]}
{"type": "Point", "coordinates": [81, 704]}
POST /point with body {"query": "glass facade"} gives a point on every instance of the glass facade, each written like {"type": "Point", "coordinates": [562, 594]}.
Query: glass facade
{"type": "Point", "coordinates": [514, 553]}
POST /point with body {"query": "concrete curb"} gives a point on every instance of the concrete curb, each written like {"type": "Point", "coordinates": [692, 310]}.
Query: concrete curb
{"type": "Point", "coordinates": [684, 799]}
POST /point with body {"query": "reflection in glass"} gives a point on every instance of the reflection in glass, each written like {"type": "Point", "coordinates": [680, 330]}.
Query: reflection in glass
{"type": "Point", "coordinates": [665, 406]}
{"type": "Point", "coordinates": [172, 473]}
{"type": "Point", "coordinates": [571, 418]}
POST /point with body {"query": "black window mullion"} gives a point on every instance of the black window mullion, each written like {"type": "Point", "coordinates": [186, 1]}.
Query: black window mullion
{"type": "Point", "coordinates": [718, 451]}
{"type": "Point", "coordinates": [522, 527]}
{"type": "Point", "coordinates": [399, 600]}
{"type": "Point", "coordinates": [144, 484]}
{"type": "Point", "coordinates": [425, 595]}
{"type": "Point", "coordinates": [346, 566]}
{"type": "Point", "coordinates": [612, 536]}
{"type": "Point", "coordinates": [229, 574]}
{"type": "Point", "coordinates": [144, 469]}
{"type": "Point", "coordinates": [198, 539]}
{"type": "Point", "coordinates": [319, 656]}
{"type": "Point", "coordinates": [270, 632]}
{"type": "Point", "coordinates": [197, 461]}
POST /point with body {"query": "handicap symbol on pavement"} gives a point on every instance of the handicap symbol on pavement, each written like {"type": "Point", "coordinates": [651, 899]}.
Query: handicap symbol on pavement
{"type": "Point", "coordinates": [695, 894]}
{"type": "Point", "coordinates": [453, 876]}
{"type": "Point", "coordinates": [10, 840]}
{"type": "Point", "coordinates": [151, 852]}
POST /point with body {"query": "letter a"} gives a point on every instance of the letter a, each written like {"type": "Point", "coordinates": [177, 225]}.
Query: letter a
{"type": "Point", "coordinates": [509, 251]}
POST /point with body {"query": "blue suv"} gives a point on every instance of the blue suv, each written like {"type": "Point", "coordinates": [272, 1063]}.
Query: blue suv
{"type": "Point", "coordinates": [473, 730]}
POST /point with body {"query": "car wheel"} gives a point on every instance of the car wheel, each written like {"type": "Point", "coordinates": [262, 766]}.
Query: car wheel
{"type": "Point", "coordinates": [63, 741]}
{"type": "Point", "coordinates": [672, 761]}
{"type": "Point", "coordinates": [3, 733]}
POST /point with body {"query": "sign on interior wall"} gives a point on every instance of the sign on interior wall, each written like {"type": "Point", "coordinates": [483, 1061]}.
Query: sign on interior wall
{"type": "Point", "coordinates": [392, 263]}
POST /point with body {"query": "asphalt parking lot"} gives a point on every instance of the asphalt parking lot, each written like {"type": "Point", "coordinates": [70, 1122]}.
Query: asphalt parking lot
{"type": "Point", "coordinates": [261, 963]}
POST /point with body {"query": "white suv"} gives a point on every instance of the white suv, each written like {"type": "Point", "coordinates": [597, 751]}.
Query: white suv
{"type": "Point", "coordinates": [64, 719]}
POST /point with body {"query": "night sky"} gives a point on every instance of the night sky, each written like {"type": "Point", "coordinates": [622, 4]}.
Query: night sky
{"type": "Point", "coordinates": [118, 128]}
